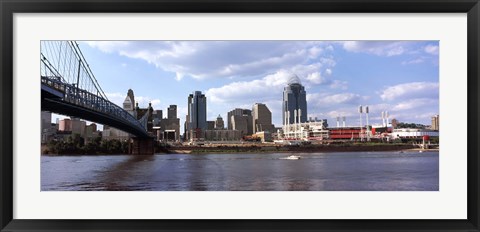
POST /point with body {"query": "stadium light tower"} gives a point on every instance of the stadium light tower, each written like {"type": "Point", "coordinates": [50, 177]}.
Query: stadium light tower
{"type": "Point", "coordinates": [367, 132]}
{"type": "Point", "coordinates": [360, 111]}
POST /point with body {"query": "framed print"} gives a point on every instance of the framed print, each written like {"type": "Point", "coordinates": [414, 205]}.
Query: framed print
{"type": "Point", "coordinates": [262, 116]}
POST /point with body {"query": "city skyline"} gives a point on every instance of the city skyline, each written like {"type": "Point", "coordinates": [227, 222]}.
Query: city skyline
{"type": "Point", "coordinates": [400, 77]}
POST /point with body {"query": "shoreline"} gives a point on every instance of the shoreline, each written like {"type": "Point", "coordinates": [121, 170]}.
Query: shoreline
{"type": "Point", "coordinates": [266, 148]}
{"type": "Point", "coordinates": [291, 149]}
{"type": "Point", "coordinates": [278, 149]}
{"type": "Point", "coordinates": [288, 152]}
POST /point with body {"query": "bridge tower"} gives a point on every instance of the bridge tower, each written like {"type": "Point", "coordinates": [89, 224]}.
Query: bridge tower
{"type": "Point", "coordinates": [141, 146]}
{"type": "Point", "coordinates": [69, 87]}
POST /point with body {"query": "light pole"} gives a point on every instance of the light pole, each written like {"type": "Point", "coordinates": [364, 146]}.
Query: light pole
{"type": "Point", "coordinates": [368, 131]}
{"type": "Point", "coordinates": [360, 111]}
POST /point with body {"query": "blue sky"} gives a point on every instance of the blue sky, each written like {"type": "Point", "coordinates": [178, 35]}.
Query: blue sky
{"type": "Point", "coordinates": [401, 77]}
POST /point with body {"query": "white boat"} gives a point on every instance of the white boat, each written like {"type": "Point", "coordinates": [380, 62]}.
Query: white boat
{"type": "Point", "coordinates": [292, 157]}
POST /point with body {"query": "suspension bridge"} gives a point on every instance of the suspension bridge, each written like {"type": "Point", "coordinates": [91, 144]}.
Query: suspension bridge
{"type": "Point", "coordinates": [69, 87]}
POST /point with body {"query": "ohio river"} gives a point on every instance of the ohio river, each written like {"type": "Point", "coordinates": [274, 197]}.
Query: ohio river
{"type": "Point", "coordinates": [341, 171]}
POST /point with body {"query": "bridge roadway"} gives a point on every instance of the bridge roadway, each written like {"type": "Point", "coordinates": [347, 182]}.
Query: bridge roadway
{"type": "Point", "coordinates": [66, 99]}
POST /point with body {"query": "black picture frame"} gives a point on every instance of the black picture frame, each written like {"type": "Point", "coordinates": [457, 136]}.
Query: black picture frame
{"type": "Point", "coordinates": [10, 7]}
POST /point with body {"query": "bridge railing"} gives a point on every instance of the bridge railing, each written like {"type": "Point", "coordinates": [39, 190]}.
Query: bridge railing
{"type": "Point", "coordinates": [85, 99]}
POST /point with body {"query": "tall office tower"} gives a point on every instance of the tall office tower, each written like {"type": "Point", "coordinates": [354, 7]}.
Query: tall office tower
{"type": "Point", "coordinates": [172, 112]}
{"type": "Point", "coordinates": [242, 123]}
{"type": "Point", "coordinates": [261, 118]}
{"type": "Point", "coordinates": [170, 126]}
{"type": "Point", "coordinates": [294, 102]}
{"type": "Point", "coordinates": [128, 103]}
{"type": "Point", "coordinates": [46, 120]}
{"type": "Point", "coordinates": [185, 128]}
{"type": "Point", "coordinates": [436, 122]}
{"type": "Point", "coordinates": [219, 124]}
{"type": "Point", "coordinates": [197, 114]}
{"type": "Point", "coordinates": [157, 116]}
{"type": "Point", "coordinates": [210, 125]}
{"type": "Point", "coordinates": [241, 120]}
{"type": "Point", "coordinates": [131, 99]}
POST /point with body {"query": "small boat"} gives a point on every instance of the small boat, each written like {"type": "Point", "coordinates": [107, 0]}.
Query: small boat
{"type": "Point", "coordinates": [292, 157]}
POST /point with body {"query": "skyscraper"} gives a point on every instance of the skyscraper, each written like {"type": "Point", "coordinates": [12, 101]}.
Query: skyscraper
{"type": "Point", "coordinates": [240, 119]}
{"type": "Point", "coordinates": [172, 112]}
{"type": "Point", "coordinates": [294, 102]}
{"type": "Point", "coordinates": [170, 126]}
{"type": "Point", "coordinates": [129, 103]}
{"type": "Point", "coordinates": [262, 118]}
{"type": "Point", "coordinates": [157, 116]}
{"type": "Point", "coordinates": [436, 122]}
{"type": "Point", "coordinates": [197, 115]}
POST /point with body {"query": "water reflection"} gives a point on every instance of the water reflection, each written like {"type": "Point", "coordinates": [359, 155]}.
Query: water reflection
{"type": "Point", "coordinates": [350, 171]}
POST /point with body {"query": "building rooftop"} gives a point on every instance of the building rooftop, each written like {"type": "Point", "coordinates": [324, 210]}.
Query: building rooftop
{"type": "Point", "coordinates": [294, 79]}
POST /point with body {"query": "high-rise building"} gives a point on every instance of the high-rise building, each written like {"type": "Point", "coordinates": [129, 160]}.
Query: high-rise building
{"type": "Point", "coordinates": [242, 123]}
{"type": "Point", "coordinates": [294, 102]}
{"type": "Point", "coordinates": [65, 125]}
{"type": "Point", "coordinates": [129, 103]}
{"type": "Point", "coordinates": [262, 118]}
{"type": "Point", "coordinates": [74, 125]}
{"type": "Point", "coordinates": [241, 120]}
{"type": "Point", "coordinates": [91, 132]}
{"type": "Point", "coordinates": [436, 122]}
{"type": "Point", "coordinates": [48, 129]}
{"type": "Point", "coordinates": [210, 125]}
{"type": "Point", "coordinates": [131, 107]}
{"type": "Point", "coordinates": [157, 116]}
{"type": "Point", "coordinates": [46, 120]}
{"type": "Point", "coordinates": [219, 124]}
{"type": "Point", "coordinates": [172, 112]}
{"type": "Point", "coordinates": [170, 126]}
{"type": "Point", "coordinates": [147, 112]}
{"type": "Point", "coordinates": [197, 115]}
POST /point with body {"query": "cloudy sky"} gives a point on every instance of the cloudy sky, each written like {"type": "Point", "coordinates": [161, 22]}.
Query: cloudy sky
{"type": "Point", "coordinates": [400, 77]}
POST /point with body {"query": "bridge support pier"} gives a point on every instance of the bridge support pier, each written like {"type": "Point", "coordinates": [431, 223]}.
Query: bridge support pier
{"type": "Point", "coordinates": [140, 146]}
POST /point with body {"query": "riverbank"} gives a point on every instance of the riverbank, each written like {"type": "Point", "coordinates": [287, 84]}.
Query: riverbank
{"type": "Point", "coordinates": [263, 148]}
{"type": "Point", "coordinates": [290, 149]}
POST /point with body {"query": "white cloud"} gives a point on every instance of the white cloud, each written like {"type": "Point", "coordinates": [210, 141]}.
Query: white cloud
{"type": "Point", "coordinates": [414, 61]}
{"type": "Point", "coordinates": [414, 104]}
{"type": "Point", "coordinates": [418, 117]}
{"type": "Point", "coordinates": [217, 59]}
{"type": "Point", "coordinates": [118, 99]}
{"type": "Point", "coordinates": [379, 48]}
{"type": "Point", "coordinates": [266, 88]}
{"type": "Point", "coordinates": [314, 52]}
{"type": "Point", "coordinates": [179, 76]}
{"type": "Point", "coordinates": [341, 113]}
{"type": "Point", "coordinates": [316, 78]}
{"type": "Point", "coordinates": [107, 46]}
{"type": "Point", "coordinates": [431, 49]}
{"type": "Point", "coordinates": [425, 115]}
{"type": "Point", "coordinates": [411, 90]}
{"type": "Point", "coordinates": [335, 99]}
{"type": "Point", "coordinates": [338, 84]}
{"type": "Point", "coordinates": [328, 71]}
